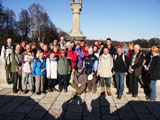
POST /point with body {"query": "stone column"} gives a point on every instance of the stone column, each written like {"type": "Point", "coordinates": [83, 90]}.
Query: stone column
{"type": "Point", "coordinates": [76, 9]}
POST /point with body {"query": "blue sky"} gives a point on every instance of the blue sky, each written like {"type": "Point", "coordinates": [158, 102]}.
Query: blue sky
{"type": "Point", "coordinates": [122, 20]}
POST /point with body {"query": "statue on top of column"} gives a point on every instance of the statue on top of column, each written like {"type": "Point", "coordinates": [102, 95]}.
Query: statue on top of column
{"type": "Point", "coordinates": [76, 1]}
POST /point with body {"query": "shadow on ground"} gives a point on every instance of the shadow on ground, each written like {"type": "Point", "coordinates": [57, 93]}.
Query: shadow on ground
{"type": "Point", "coordinates": [21, 107]}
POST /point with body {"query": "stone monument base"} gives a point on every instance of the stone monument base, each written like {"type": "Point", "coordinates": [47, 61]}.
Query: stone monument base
{"type": "Point", "coordinates": [69, 38]}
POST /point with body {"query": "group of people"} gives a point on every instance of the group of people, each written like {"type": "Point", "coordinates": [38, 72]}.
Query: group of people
{"type": "Point", "coordinates": [81, 66]}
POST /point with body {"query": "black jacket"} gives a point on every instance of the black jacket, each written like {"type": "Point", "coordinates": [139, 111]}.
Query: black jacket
{"type": "Point", "coordinates": [154, 68]}
{"type": "Point", "coordinates": [120, 63]}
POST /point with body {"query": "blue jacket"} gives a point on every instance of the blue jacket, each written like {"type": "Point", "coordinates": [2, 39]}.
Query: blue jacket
{"type": "Point", "coordinates": [36, 70]}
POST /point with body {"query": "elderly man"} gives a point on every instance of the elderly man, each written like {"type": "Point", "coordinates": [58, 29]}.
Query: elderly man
{"type": "Point", "coordinates": [27, 59]}
{"type": "Point", "coordinates": [90, 68]}
{"type": "Point", "coordinates": [6, 56]}
{"type": "Point", "coordinates": [16, 68]}
{"type": "Point", "coordinates": [135, 69]}
{"type": "Point", "coordinates": [61, 43]}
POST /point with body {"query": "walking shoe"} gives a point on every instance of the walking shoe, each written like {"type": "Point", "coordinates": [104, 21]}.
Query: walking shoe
{"type": "Point", "coordinates": [134, 95]}
{"type": "Point", "coordinates": [150, 99]}
{"type": "Point", "coordinates": [38, 93]}
{"type": "Point", "coordinates": [9, 82]}
{"type": "Point", "coordinates": [32, 91]}
{"type": "Point", "coordinates": [44, 92]}
{"type": "Point", "coordinates": [65, 90]}
{"type": "Point", "coordinates": [15, 91]}
{"type": "Point", "coordinates": [89, 91]}
{"type": "Point", "coordinates": [128, 93]}
{"type": "Point", "coordinates": [94, 91]}
{"type": "Point", "coordinates": [108, 93]}
{"type": "Point", "coordinates": [54, 89]}
{"type": "Point", "coordinates": [50, 90]}
{"type": "Point", "coordinates": [25, 91]}
{"type": "Point", "coordinates": [119, 97]}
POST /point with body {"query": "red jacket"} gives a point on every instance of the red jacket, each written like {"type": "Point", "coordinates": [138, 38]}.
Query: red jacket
{"type": "Point", "coordinates": [73, 57]}
{"type": "Point", "coordinates": [46, 54]}
{"type": "Point", "coordinates": [83, 48]}
{"type": "Point", "coordinates": [57, 54]}
{"type": "Point", "coordinates": [85, 53]}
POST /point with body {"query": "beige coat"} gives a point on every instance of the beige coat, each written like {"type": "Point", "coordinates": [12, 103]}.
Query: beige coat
{"type": "Point", "coordinates": [105, 65]}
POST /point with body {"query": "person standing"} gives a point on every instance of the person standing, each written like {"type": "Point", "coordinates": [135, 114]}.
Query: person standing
{"type": "Point", "coordinates": [135, 69]}
{"type": "Point", "coordinates": [154, 71]}
{"type": "Point", "coordinates": [52, 71]}
{"type": "Point", "coordinates": [27, 59]}
{"type": "Point", "coordinates": [72, 57]}
{"type": "Point", "coordinates": [16, 68]}
{"type": "Point", "coordinates": [120, 70]}
{"type": "Point", "coordinates": [39, 71]}
{"type": "Point", "coordinates": [105, 70]}
{"type": "Point", "coordinates": [64, 69]}
{"type": "Point", "coordinates": [90, 68]}
{"type": "Point", "coordinates": [61, 43]}
{"type": "Point", "coordinates": [6, 56]}
{"type": "Point", "coordinates": [80, 54]}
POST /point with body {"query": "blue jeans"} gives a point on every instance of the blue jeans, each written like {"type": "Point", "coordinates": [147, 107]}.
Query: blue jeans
{"type": "Point", "coordinates": [62, 79]}
{"type": "Point", "coordinates": [153, 89]}
{"type": "Point", "coordinates": [120, 82]}
{"type": "Point", "coordinates": [108, 81]}
{"type": "Point", "coordinates": [52, 83]}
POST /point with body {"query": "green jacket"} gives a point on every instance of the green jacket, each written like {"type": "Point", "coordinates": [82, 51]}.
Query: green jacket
{"type": "Point", "coordinates": [15, 62]}
{"type": "Point", "coordinates": [63, 66]}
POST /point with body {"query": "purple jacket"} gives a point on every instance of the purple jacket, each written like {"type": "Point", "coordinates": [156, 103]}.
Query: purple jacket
{"type": "Point", "coordinates": [80, 57]}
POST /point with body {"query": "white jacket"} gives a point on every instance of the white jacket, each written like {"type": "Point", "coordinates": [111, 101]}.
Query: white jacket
{"type": "Point", "coordinates": [51, 68]}
{"type": "Point", "coordinates": [105, 65]}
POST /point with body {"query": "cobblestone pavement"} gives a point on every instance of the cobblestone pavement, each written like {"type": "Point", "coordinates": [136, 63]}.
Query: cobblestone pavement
{"type": "Point", "coordinates": [88, 106]}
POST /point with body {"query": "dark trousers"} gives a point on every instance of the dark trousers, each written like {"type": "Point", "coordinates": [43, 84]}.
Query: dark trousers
{"type": "Point", "coordinates": [63, 83]}
{"type": "Point", "coordinates": [16, 77]}
{"type": "Point", "coordinates": [79, 90]}
{"type": "Point", "coordinates": [92, 83]}
{"type": "Point", "coordinates": [8, 73]}
{"type": "Point", "coordinates": [52, 83]}
{"type": "Point", "coordinates": [134, 83]}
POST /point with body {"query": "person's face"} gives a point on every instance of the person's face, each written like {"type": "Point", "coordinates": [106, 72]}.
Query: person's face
{"type": "Point", "coordinates": [41, 55]}
{"type": "Point", "coordinates": [95, 49]}
{"type": "Point", "coordinates": [86, 48]}
{"type": "Point", "coordinates": [28, 48]}
{"type": "Point", "coordinates": [119, 50]}
{"type": "Point", "coordinates": [130, 47]}
{"type": "Point", "coordinates": [80, 70]}
{"type": "Point", "coordinates": [77, 46]}
{"type": "Point", "coordinates": [108, 42]}
{"type": "Point", "coordinates": [62, 39]}
{"type": "Point", "coordinates": [105, 51]}
{"type": "Point", "coordinates": [33, 47]}
{"type": "Point", "coordinates": [136, 49]}
{"type": "Point", "coordinates": [55, 42]}
{"type": "Point", "coordinates": [51, 47]}
{"type": "Point", "coordinates": [18, 48]}
{"type": "Point", "coordinates": [63, 54]}
{"type": "Point", "coordinates": [45, 48]}
{"type": "Point", "coordinates": [55, 49]}
{"type": "Point", "coordinates": [69, 47]}
{"type": "Point", "coordinates": [41, 45]}
{"type": "Point", "coordinates": [82, 43]}
{"type": "Point", "coordinates": [90, 52]}
{"type": "Point", "coordinates": [96, 43]}
{"type": "Point", "coordinates": [52, 55]}
{"type": "Point", "coordinates": [23, 44]}
{"type": "Point", "coordinates": [73, 44]}
{"type": "Point", "coordinates": [9, 41]}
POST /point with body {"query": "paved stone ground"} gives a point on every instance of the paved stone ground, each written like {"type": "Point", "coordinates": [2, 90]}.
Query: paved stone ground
{"type": "Point", "coordinates": [62, 106]}
{"type": "Point", "coordinates": [88, 106]}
